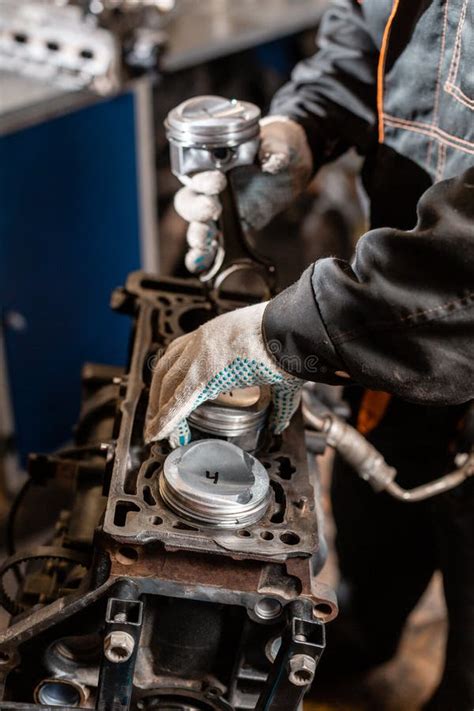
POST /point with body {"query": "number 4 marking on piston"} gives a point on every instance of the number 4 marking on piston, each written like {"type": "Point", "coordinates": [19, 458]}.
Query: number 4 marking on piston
{"type": "Point", "coordinates": [214, 477]}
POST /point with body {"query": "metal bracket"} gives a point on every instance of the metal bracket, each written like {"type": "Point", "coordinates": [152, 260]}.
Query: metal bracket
{"type": "Point", "coordinates": [123, 623]}
{"type": "Point", "coordinates": [292, 674]}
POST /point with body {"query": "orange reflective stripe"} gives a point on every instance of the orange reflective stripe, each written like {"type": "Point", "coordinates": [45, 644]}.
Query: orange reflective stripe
{"type": "Point", "coordinates": [372, 408]}
{"type": "Point", "coordinates": [381, 67]}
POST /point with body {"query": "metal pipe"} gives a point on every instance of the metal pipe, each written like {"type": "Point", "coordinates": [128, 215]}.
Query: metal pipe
{"type": "Point", "coordinates": [370, 464]}
{"type": "Point", "coordinates": [438, 486]}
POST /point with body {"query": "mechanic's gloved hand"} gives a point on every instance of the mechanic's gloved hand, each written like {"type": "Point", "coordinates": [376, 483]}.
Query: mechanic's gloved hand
{"type": "Point", "coordinates": [285, 167]}
{"type": "Point", "coordinates": [226, 353]}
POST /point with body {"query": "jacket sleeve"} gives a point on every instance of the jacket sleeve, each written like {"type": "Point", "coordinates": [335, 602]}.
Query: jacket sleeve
{"type": "Point", "coordinates": [400, 318]}
{"type": "Point", "coordinates": [333, 93]}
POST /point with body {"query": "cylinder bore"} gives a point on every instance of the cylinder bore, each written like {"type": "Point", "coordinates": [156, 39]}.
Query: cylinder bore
{"type": "Point", "coordinates": [59, 692]}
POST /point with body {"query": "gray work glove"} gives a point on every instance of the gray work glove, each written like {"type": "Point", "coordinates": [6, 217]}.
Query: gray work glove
{"type": "Point", "coordinates": [226, 353]}
{"type": "Point", "coordinates": [284, 168]}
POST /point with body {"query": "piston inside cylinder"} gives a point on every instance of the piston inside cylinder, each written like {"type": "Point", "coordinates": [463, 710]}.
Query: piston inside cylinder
{"type": "Point", "coordinates": [215, 483]}
{"type": "Point", "coordinates": [238, 416]}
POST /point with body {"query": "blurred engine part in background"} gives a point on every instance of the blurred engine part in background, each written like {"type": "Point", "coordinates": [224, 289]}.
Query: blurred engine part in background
{"type": "Point", "coordinates": [94, 44]}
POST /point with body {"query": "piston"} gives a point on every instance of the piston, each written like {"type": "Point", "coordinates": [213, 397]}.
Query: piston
{"type": "Point", "coordinates": [238, 417]}
{"type": "Point", "coordinates": [211, 132]}
{"type": "Point", "coordinates": [214, 483]}
{"type": "Point", "coordinates": [215, 133]}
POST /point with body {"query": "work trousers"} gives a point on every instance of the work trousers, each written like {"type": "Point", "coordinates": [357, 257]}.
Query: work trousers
{"type": "Point", "coordinates": [388, 550]}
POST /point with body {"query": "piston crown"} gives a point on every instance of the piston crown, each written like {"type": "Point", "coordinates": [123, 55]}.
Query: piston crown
{"type": "Point", "coordinates": [215, 483]}
{"type": "Point", "coordinates": [213, 122]}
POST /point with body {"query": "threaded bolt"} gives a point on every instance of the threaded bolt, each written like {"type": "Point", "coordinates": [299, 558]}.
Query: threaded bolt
{"type": "Point", "coordinates": [301, 669]}
{"type": "Point", "coordinates": [118, 646]}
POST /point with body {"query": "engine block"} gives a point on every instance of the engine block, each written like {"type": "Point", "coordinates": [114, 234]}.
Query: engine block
{"type": "Point", "coordinates": [133, 605]}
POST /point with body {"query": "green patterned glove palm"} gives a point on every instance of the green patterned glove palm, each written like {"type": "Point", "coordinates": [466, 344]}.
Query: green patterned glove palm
{"type": "Point", "coordinates": [224, 354]}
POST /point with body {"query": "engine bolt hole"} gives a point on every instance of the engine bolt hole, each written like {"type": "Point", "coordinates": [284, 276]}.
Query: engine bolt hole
{"type": "Point", "coordinates": [86, 54]}
{"type": "Point", "coordinates": [243, 533]}
{"type": "Point", "coordinates": [289, 538]}
{"type": "Point", "coordinates": [126, 555]}
{"type": "Point", "coordinates": [213, 691]}
{"type": "Point", "coordinates": [322, 609]}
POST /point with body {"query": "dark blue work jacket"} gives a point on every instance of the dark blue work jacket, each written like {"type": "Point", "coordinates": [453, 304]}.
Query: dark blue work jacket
{"type": "Point", "coordinates": [395, 80]}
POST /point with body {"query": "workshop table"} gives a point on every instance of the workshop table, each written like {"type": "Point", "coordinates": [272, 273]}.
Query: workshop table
{"type": "Point", "coordinates": [202, 30]}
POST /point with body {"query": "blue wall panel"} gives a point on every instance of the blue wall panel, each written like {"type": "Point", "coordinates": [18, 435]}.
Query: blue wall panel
{"type": "Point", "coordinates": [69, 233]}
